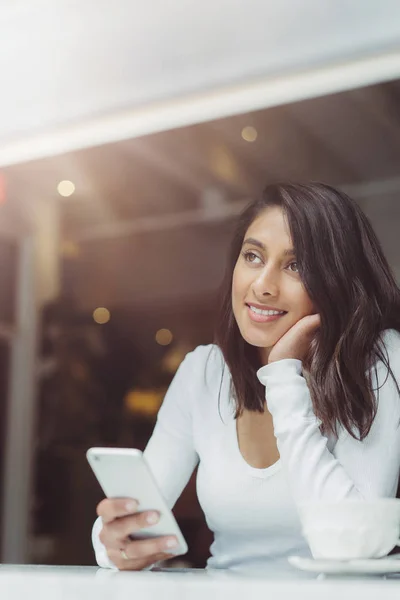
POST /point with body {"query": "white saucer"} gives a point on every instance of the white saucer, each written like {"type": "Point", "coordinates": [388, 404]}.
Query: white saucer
{"type": "Point", "coordinates": [377, 566]}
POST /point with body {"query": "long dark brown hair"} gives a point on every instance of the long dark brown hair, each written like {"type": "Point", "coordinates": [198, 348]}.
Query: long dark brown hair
{"type": "Point", "coordinates": [348, 279]}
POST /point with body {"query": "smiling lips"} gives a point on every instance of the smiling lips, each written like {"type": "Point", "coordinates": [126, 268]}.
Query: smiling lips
{"type": "Point", "coordinates": [265, 314]}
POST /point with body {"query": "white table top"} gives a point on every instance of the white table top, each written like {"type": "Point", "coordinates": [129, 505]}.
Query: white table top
{"type": "Point", "coordinates": [22, 582]}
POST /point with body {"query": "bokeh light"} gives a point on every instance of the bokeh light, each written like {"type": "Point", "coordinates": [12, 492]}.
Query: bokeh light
{"type": "Point", "coordinates": [101, 315]}
{"type": "Point", "coordinates": [164, 337]}
{"type": "Point", "coordinates": [66, 188]}
{"type": "Point", "coordinates": [249, 133]}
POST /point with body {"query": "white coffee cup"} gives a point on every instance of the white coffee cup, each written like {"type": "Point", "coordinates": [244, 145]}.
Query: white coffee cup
{"type": "Point", "coordinates": [351, 529]}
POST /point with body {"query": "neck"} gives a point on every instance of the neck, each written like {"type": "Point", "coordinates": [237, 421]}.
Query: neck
{"type": "Point", "coordinates": [264, 355]}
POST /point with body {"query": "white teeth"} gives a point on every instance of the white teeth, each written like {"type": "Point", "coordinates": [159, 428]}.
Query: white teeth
{"type": "Point", "coordinates": [258, 311]}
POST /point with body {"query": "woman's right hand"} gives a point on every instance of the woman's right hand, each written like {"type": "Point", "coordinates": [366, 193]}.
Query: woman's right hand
{"type": "Point", "coordinates": [121, 520]}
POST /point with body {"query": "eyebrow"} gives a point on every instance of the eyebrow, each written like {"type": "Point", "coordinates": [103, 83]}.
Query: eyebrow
{"type": "Point", "coordinates": [254, 242]}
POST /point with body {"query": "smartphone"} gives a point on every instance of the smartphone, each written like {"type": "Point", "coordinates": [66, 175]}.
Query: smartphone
{"type": "Point", "coordinates": [124, 473]}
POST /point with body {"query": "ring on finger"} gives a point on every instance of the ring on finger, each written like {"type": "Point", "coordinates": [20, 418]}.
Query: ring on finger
{"type": "Point", "coordinates": [123, 554]}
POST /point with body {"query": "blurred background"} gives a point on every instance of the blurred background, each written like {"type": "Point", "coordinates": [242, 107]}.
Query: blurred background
{"type": "Point", "coordinates": [131, 135]}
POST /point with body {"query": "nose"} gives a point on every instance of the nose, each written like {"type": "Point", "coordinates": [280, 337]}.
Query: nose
{"type": "Point", "coordinates": [267, 283]}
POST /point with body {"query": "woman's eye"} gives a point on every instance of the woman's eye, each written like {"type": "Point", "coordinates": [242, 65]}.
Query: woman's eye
{"type": "Point", "coordinates": [251, 257]}
{"type": "Point", "coordinates": [297, 269]}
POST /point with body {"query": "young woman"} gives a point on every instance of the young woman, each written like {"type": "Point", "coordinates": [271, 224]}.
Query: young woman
{"type": "Point", "coordinates": [298, 399]}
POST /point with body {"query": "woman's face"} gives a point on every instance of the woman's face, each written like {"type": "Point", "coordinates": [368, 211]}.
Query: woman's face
{"type": "Point", "coordinates": [266, 278]}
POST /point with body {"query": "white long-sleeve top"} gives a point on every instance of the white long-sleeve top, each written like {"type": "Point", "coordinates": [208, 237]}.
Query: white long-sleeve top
{"type": "Point", "coordinates": [252, 512]}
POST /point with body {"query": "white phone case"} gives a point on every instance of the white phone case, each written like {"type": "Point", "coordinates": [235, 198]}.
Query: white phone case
{"type": "Point", "coordinates": [124, 473]}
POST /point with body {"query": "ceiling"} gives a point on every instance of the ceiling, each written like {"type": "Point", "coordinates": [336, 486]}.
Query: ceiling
{"type": "Point", "coordinates": [345, 138]}
{"type": "Point", "coordinates": [151, 217]}
{"type": "Point", "coordinates": [78, 74]}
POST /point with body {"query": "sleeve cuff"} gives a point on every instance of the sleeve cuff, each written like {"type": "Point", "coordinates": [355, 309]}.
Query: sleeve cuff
{"type": "Point", "coordinates": [280, 368]}
{"type": "Point", "coordinates": [286, 392]}
{"type": "Point", "coordinates": [102, 558]}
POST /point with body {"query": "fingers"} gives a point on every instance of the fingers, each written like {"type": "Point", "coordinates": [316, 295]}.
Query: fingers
{"type": "Point", "coordinates": [314, 320]}
{"type": "Point", "coordinates": [115, 533]}
{"type": "Point", "coordinates": [120, 520]}
{"type": "Point", "coordinates": [136, 564]}
{"type": "Point", "coordinates": [114, 508]}
{"type": "Point", "coordinates": [141, 549]}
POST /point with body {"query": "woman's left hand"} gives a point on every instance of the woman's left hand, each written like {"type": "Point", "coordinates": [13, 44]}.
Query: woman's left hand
{"type": "Point", "coordinates": [296, 342]}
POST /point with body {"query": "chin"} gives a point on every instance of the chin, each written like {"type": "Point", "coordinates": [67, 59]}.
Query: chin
{"type": "Point", "coordinates": [257, 340]}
